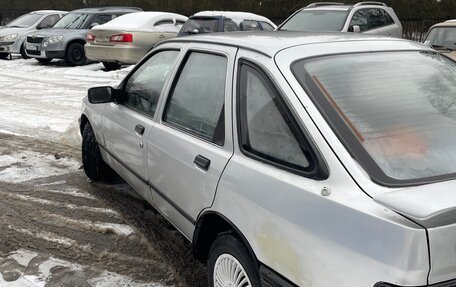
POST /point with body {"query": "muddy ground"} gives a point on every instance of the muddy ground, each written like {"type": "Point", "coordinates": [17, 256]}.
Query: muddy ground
{"type": "Point", "coordinates": [59, 229]}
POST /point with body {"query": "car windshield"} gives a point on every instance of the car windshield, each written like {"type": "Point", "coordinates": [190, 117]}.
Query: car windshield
{"type": "Point", "coordinates": [197, 25]}
{"type": "Point", "coordinates": [394, 111]}
{"type": "Point", "coordinates": [442, 38]}
{"type": "Point", "coordinates": [72, 21]}
{"type": "Point", "coordinates": [25, 21]}
{"type": "Point", "coordinates": [316, 20]}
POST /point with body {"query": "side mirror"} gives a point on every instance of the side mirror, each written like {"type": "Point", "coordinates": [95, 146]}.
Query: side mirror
{"type": "Point", "coordinates": [93, 25]}
{"type": "Point", "coordinates": [354, 29]}
{"type": "Point", "coordinates": [101, 95]}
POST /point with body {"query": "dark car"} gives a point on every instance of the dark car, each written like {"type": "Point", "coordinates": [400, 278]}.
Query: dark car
{"type": "Point", "coordinates": [215, 21]}
{"type": "Point", "coordinates": [67, 38]}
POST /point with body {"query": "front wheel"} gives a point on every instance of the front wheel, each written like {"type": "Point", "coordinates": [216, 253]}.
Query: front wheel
{"type": "Point", "coordinates": [94, 166]}
{"type": "Point", "coordinates": [230, 264]}
{"type": "Point", "coordinates": [23, 53]}
{"type": "Point", "coordinates": [75, 55]}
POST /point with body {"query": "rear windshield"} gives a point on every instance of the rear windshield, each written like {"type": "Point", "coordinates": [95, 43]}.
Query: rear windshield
{"type": "Point", "coordinates": [25, 21]}
{"type": "Point", "coordinates": [394, 111]}
{"type": "Point", "coordinates": [72, 21]}
{"type": "Point", "coordinates": [194, 26]}
{"type": "Point", "coordinates": [442, 38]}
{"type": "Point", "coordinates": [316, 20]}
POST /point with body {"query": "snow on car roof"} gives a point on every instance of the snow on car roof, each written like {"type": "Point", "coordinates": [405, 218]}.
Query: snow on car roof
{"type": "Point", "coordinates": [49, 12]}
{"type": "Point", "coordinates": [235, 16]}
{"type": "Point", "coordinates": [139, 21]}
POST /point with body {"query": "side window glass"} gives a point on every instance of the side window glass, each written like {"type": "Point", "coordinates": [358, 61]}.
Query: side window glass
{"type": "Point", "coordinates": [388, 19]}
{"type": "Point", "coordinates": [102, 19]}
{"type": "Point", "coordinates": [49, 21]}
{"type": "Point", "coordinates": [249, 25]}
{"type": "Point", "coordinates": [376, 18]}
{"type": "Point", "coordinates": [230, 26]}
{"type": "Point", "coordinates": [196, 103]}
{"type": "Point", "coordinates": [360, 19]}
{"type": "Point", "coordinates": [266, 131]}
{"type": "Point", "coordinates": [164, 22]}
{"type": "Point", "coordinates": [267, 26]}
{"type": "Point", "coordinates": [144, 87]}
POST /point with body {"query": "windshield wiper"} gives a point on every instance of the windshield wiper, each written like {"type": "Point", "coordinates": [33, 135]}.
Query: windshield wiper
{"type": "Point", "coordinates": [440, 47]}
{"type": "Point", "coordinates": [15, 26]}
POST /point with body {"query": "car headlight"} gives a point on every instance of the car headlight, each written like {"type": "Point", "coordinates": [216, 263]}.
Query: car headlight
{"type": "Point", "coordinates": [8, 38]}
{"type": "Point", "coordinates": [55, 39]}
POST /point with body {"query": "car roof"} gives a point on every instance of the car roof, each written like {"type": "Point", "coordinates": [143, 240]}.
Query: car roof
{"type": "Point", "coordinates": [49, 12]}
{"type": "Point", "coordinates": [231, 15]}
{"type": "Point", "coordinates": [449, 23]}
{"type": "Point", "coordinates": [108, 9]}
{"type": "Point", "coordinates": [270, 43]}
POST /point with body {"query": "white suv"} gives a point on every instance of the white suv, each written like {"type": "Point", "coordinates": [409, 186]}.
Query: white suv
{"type": "Point", "coordinates": [365, 17]}
{"type": "Point", "coordinates": [290, 159]}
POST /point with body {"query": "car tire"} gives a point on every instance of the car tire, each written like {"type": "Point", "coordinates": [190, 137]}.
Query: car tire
{"type": "Point", "coordinates": [93, 164]}
{"type": "Point", "coordinates": [75, 55]}
{"type": "Point", "coordinates": [44, 61]}
{"type": "Point", "coordinates": [227, 251]}
{"type": "Point", "coordinates": [23, 53]}
{"type": "Point", "coordinates": [111, 66]}
{"type": "Point", "coordinates": [3, 56]}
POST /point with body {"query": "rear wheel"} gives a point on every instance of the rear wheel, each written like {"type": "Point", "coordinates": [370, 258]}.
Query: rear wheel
{"type": "Point", "coordinates": [23, 53]}
{"type": "Point", "coordinates": [228, 253]}
{"type": "Point", "coordinates": [44, 61]}
{"type": "Point", "coordinates": [3, 56]}
{"type": "Point", "coordinates": [111, 66]}
{"type": "Point", "coordinates": [75, 55]}
{"type": "Point", "coordinates": [94, 166]}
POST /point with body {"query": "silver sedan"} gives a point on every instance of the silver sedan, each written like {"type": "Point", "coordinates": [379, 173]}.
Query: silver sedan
{"type": "Point", "coordinates": [128, 38]}
{"type": "Point", "coordinates": [291, 159]}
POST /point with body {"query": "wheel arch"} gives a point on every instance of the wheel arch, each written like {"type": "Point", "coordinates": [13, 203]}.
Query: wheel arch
{"type": "Point", "coordinates": [82, 122]}
{"type": "Point", "coordinates": [208, 226]}
{"type": "Point", "coordinates": [78, 40]}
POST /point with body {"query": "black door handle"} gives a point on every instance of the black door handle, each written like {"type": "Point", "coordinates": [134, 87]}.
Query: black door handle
{"type": "Point", "coordinates": [202, 162]}
{"type": "Point", "coordinates": [139, 129]}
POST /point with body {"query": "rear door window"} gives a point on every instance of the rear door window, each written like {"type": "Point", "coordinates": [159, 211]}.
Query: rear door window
{"type": "Point", "coordinates": [267, 26]}
{"type": "Point", "coordinates": [196, 103]}
{"type": "Point", "coordinates": [250, 25]}
{"type": "Point", "coordinates": [376, 18]}
{"type": "Point", "coordinates": [230, 26]}
{"type": "Point", "coordinates": [267, 130]}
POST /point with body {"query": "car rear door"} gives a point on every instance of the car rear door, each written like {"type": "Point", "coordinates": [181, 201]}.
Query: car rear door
{"type": "Point", "coordinates": [128, 123]}
{"type": "Point", "coordinates": [191, 145]}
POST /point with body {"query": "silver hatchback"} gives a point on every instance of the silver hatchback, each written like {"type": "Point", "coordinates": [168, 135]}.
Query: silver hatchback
{"type": "Point", "coordinates": [291, 159]}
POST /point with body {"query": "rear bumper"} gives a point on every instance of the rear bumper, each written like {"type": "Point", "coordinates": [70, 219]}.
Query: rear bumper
{"type": "Point", "coordinates": [451, 283]}
{"type": "Point", "coordinates": [120, 54]}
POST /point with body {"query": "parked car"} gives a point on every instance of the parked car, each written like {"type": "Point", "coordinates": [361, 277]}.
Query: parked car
{"type": "Point", "coordinates": [289, 158]}
{"type": "Point", "coordinates": [128, 38]}
{"type": "Point", "coordinates": [442, 37]}
{"type": "Point", "coordinates": [67, 38]}
{"type": "Point", "coordinates": [365, 17]}
{"type": "Point", "coordinates": [218, 21]}
{"type": "Point", "coordinates": [13, 34]}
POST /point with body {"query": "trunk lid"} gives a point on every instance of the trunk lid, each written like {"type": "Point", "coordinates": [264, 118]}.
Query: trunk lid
{"type": "Point", "coordinates": [434, 207]}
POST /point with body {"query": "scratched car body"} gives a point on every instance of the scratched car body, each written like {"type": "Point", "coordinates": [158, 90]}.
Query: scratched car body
{"type": "Point", "coordinates": [290, 158]}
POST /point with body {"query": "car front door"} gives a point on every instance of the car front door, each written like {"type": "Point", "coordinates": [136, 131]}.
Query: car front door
{"type": "Point", "coordinates": [190, 147]}
{"type": "Point", "coordinates": [128, 123]}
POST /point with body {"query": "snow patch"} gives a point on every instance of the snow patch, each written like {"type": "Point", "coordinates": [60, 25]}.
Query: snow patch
{"type": "Point", "coordinates": [110, 279]}
{"type": "Point", "coordinates": [32, 165]}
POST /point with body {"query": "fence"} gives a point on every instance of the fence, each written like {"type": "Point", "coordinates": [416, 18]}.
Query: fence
{"type": "Point", "coordinates": [416, 30]}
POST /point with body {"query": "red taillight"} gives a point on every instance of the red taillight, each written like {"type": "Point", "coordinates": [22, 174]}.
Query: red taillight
{"type": "Point", "coordinates": [121, 38]}
{"type": "Point", "coordinates": [90, 37]}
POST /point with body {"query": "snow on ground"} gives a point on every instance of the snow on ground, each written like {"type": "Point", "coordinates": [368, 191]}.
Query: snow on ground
{"type": "Point", "coordinates": [44, 101]}
{"type": "Point", "coordinates": [24, 166]}
{"type": "Point", "coordinates": [49, 267]}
